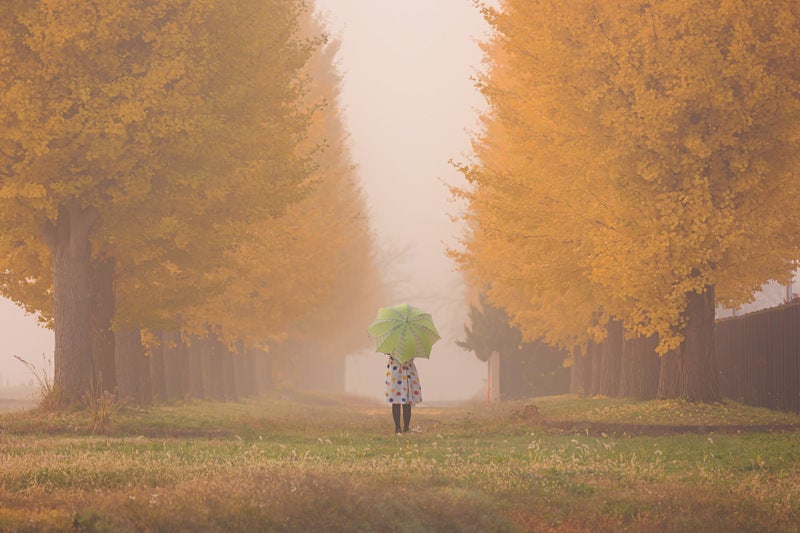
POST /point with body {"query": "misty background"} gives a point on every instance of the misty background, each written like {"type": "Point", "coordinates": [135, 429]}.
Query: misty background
{"type": "Point", "coordinates": [409, 105]}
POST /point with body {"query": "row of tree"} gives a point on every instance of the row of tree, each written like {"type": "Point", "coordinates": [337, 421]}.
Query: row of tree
{"type": "Point", "coordinates": [174, 176]}
{"type": "Point", "coordinates": [638, 164]}
{"type": "Point", "coordinates": [615, 367]}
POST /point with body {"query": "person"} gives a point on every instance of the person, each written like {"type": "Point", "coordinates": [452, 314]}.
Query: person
{"type": "Point", "coordinates": [402, 390]}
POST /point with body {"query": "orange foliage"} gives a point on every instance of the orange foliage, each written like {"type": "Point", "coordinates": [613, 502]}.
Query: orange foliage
{"type": "Point", "coordinates": [634, 153]}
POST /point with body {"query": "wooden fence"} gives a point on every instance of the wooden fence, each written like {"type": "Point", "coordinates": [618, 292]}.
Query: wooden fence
{"type": "Point", "coordinates": [758, 357]}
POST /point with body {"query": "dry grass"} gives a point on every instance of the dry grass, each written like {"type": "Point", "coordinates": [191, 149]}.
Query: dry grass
{"type": "Point", "coordinates": [309, 462]}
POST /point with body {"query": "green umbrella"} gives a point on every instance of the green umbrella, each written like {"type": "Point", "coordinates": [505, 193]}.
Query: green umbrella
{"type": "Point", "coordinates": [403, 331]}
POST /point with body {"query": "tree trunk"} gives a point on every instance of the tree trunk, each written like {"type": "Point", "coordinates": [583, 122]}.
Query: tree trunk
{"type": "Point", "coordinates": [195, 357]}
{"type": "Point", "coordinates": [640, 369]}
{"type": "Point", "coordinates": [244, 371]}
{"type": "Point", "coordinates": [611, 361]}
{"type": "Point", "coordinates": [581, 374]}
{"type": "Point", "coordinates": [158, 382]}
{"type": "Point", "coordinates": [183, 360]}
{"type": "Point", "coordinates": [690, 372]}
{"type": "Point", "coordinates": [595, 351]}
{"type": "Point", "coordinates": [133, 368]}
{"type": "Point", "coordinates": [175, 365]}
{"type": "Point", "coordinates": [68, 240]}
{"type": "Point", "coordinates": [213, 384]}
{"type": "Point", "coordinates": [168, 354]}
{"type": "Point", "coordinates": [102, 315]}
{"type": "Point", "coordinates": [229, 373]}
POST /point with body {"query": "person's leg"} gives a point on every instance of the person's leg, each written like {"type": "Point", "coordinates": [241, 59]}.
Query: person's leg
{"type": "Point", "coordinates": [406, 416]}
{"type": "Point", "coordinates": [396, 417]}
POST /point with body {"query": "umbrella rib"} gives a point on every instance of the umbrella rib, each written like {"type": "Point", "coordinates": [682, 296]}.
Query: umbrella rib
{"type": "Point", "coordinates": [418, 342]}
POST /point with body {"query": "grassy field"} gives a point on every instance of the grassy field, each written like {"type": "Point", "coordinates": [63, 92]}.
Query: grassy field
{"type": "Point", "coordinates": [306, 462]}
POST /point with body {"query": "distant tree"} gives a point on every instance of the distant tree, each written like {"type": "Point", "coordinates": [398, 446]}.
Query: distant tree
{"type": "Point", "coordinates": [307, 274]}
{"type": "Point", "coordinates": [312, 270]}
{"type": "Point", "coordinates": [642, 156]}
{"type": "Point", "coordinates": [526, 368]}
{"type": "Point", "coordinates": [271, 286]}
{"type": "Point", "coordinates": [488, 331]}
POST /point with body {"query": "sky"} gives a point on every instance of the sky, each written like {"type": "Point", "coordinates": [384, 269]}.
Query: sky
{"type": "Point", "coordinates": [410, 106]}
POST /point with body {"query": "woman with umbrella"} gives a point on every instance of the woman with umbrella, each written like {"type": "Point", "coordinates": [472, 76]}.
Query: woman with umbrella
{"type": "Point", "coordinates": [402, 388]}
{"type": "Point", "coordinates": [403, 332]}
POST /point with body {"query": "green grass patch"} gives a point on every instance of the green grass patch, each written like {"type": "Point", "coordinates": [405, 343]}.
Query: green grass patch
{"type": "Point", "coordinates": [306, 462]}
{"type": "Point", "coordinates": [661, 412]}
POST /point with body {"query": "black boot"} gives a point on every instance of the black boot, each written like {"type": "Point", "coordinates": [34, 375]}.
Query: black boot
{"type": "Point", "coordinates": [396, 417]}
{"type": "Point", "coordinates": [406, 416]}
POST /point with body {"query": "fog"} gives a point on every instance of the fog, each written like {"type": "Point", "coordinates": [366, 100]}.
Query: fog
{"type": "Point", "coordinates": [409, 105]}
{"type": "Point", "coordinates": [21, 335]}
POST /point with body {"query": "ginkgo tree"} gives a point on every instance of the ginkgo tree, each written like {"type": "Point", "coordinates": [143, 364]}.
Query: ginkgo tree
{"type": "Point", "coordinates": [642, 158]}
{"type": "Point", "coordinates": [175, 124]}
{"type": "Point", "coordinates": [343, 253]}
{"type": "Point", "coordinates": [307, 274]}
{"type": "Point", "coordinates": [304, 274]}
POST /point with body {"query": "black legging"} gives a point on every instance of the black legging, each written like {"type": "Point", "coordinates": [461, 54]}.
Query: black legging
{"type": "Point", "coordinates": [406, 416]}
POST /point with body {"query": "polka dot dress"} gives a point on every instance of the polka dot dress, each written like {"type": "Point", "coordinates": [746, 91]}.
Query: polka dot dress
{"type": "Point", "coordinates": [402, 382]}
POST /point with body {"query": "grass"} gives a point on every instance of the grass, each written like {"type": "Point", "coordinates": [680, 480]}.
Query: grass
{"type": "Point", "coordinates": [306, 462]}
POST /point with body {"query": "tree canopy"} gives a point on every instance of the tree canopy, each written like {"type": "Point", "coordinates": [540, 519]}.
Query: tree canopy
{"type": "Point", "coordinates": [635, 154]}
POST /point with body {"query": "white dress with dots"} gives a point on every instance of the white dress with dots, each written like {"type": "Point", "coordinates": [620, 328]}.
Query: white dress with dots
{"type": "Point", "coordinates": [402, 382]}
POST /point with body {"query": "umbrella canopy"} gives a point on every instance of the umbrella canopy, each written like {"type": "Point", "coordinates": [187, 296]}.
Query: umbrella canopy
{"type": "Point", "coordinates": [404, 332]}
